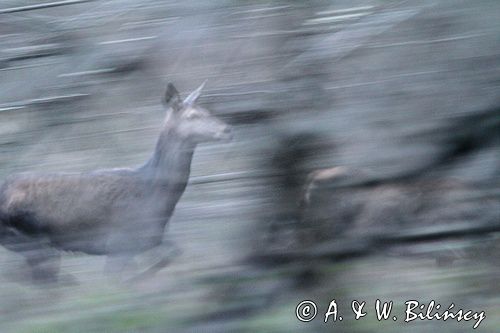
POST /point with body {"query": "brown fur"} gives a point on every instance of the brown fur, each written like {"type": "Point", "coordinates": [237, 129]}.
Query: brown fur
{"type": "Point", "coordinates": [344, 204]}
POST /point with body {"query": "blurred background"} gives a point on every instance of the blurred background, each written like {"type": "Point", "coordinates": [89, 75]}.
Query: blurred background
{"type": "Point", "coordinates": [406, 90]}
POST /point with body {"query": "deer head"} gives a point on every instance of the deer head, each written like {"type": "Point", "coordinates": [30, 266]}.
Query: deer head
{"type": "Point", "coordinates": [192, 122]}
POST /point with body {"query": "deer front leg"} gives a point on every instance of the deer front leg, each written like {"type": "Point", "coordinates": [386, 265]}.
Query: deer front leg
{"type": "Point", "coordinates": [117, 265]}
{"type": "Point", "coordinates": [161, 256]}
{"type": "Point", "coordinates": [120, 254]}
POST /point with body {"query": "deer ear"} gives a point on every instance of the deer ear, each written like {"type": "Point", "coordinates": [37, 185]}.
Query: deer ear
{"type": "Point", "coordinates": [194, 95]}
{"type": "Point", "coordinates": [172, 98]}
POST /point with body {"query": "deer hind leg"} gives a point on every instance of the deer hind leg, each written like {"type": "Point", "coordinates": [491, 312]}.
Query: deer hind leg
{"type": "Point", "coordinates": [44, 263]}
{"type": "Point", "coordinates": [43, 260]}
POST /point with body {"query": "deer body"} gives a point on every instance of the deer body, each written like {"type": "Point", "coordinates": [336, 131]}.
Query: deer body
{"type": "Point", "coordinates": [110, 212]}
{"type": "Point", "coordinates": [345, 199]}
{"type": "Point", "coordinates": [345, 204]}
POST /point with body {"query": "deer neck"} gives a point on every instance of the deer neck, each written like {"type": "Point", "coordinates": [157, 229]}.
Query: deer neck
{"type": "Point", "coordinates": [170, 164]}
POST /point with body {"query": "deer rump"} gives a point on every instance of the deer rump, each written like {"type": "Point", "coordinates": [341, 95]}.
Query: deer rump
{"type": "Point", "coordinates": [102, 212]}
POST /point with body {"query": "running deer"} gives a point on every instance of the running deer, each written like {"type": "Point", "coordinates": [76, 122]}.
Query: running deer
{"type": "Point", "coordinates": [348, 205]}
{"type": "Point", "coordinates": [115, 212]}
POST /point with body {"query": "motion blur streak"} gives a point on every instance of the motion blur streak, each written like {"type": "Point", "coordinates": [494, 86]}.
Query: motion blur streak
{"type": "Point", "coordinates": [364, 164]}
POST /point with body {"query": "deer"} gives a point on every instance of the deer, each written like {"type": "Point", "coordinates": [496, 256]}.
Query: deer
{"type": "Point", "coordinates": [119, 212]}
{"type": "Point", "coordinates": [349, 204]}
